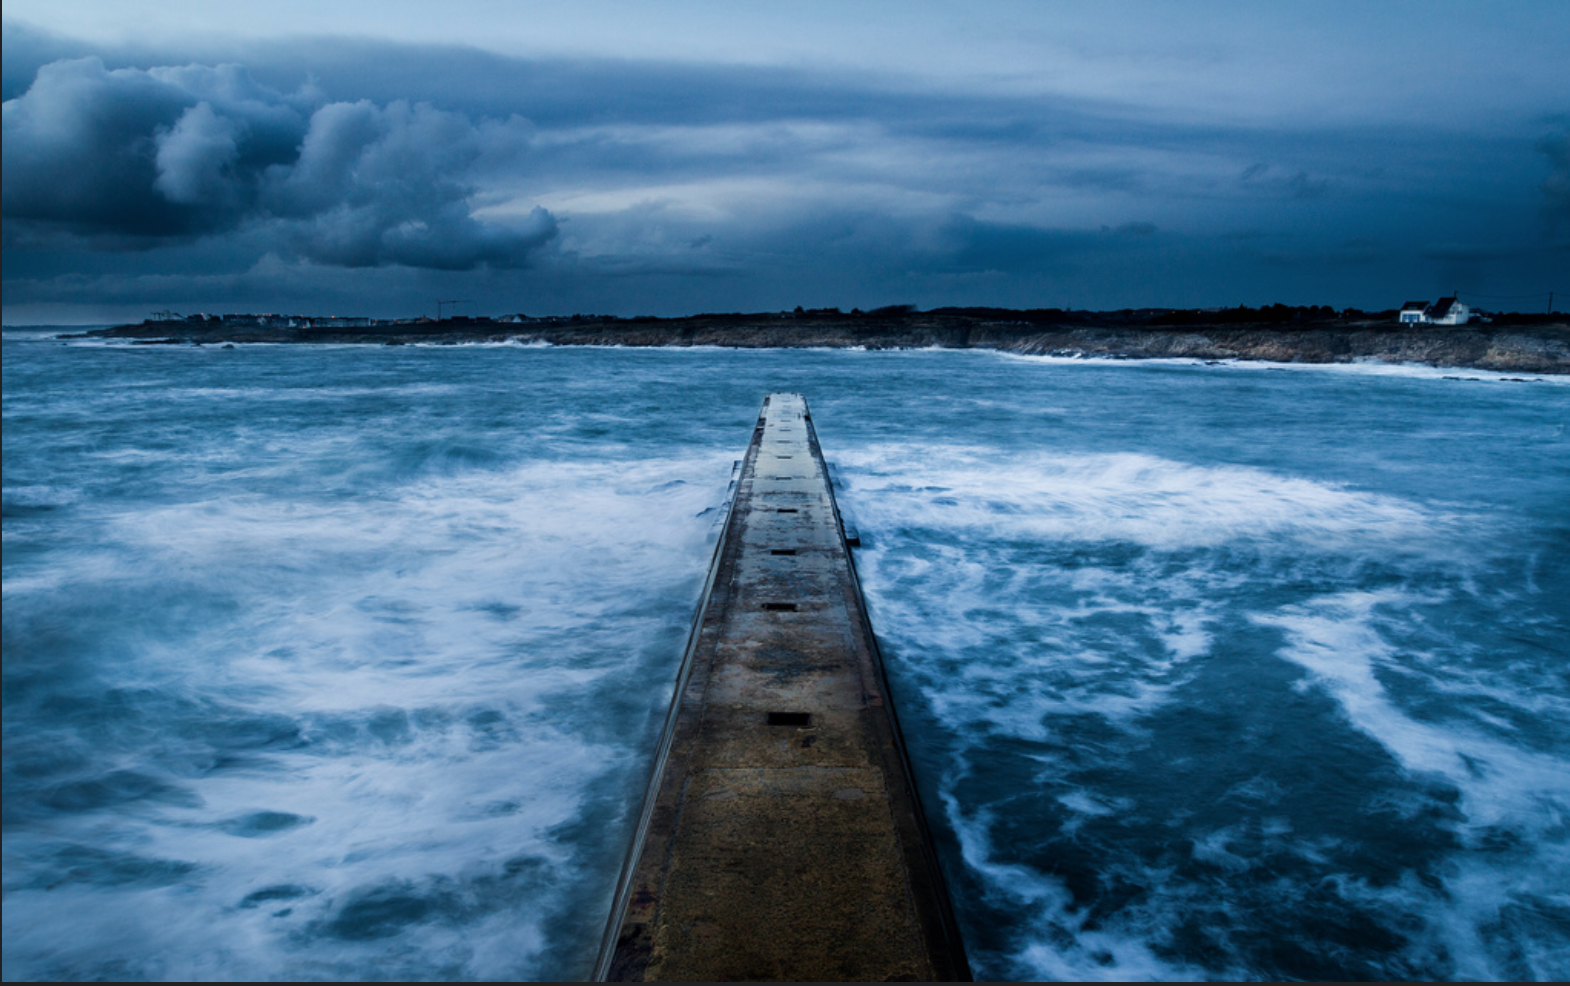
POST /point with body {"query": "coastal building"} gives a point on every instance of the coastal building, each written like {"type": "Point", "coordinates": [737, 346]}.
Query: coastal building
{"type": "Point", "coordinates": [1449, 311]}
{"type": "Point", "coordinates": [1445, 311]}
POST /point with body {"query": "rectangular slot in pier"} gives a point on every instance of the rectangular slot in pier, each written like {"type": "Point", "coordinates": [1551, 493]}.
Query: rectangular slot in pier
{"type": "Point", "coordinates": [790, 718]}
{"type": "Point", "coordinates": [780, 607]}
{"type": "Point", "coordinates": [787, 510]}
{"type": "Point", "coordinates": [782, 551]}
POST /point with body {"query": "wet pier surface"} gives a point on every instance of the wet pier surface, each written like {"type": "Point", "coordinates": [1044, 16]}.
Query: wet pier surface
{"type": "Point", "coordinates": [782, 838]}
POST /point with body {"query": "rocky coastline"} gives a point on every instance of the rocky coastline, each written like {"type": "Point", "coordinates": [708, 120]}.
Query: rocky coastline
{"type": "Point", "coordinates": [1521, 344]}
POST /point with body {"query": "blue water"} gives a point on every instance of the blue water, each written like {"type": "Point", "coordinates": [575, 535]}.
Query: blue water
{"type": "Point", "coordinates": [347, 662]}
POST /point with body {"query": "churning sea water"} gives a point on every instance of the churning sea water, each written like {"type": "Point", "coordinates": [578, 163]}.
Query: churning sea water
{"type": "Point", "coordinates": [348, 662]}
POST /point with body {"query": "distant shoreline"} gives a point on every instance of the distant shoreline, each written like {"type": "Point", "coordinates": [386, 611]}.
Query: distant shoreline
{"type": "Point", "coordinates": [1530, 344]}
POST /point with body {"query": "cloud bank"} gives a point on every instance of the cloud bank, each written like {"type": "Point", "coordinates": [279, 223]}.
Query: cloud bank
{"type": "Point", "coordinates": [130, 158]}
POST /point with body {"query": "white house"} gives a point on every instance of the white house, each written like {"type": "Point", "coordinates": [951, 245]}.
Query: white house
{"type": "Point", "coordinates": [1449, 311]}
{"type": "Point", "coordinates": [1445, 311]}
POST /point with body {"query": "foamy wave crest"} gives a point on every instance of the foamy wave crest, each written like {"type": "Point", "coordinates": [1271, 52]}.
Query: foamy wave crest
{"type": "Point", "coordinates": [1514, 787]}
{"type": "Point", "coordinates": [1130, 497]}
{"type": "Point", "coordinates": [1095, 577]}
{"type": "Point", "coordinates": [1110, 654]}
{"type": "Point", "coordinates": [396, 731]}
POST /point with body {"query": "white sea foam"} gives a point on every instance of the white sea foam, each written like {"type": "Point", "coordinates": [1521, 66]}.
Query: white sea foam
{"type": "Point", "coordinates": [1133, 497]}
{"type": "Point", "coordinates": [508, 343]}
{"type": "Point", "coordinates": [1112, 954]}
{"type": "Point", "coordinates": [1340, 639]}
{"type": "Point", "coordinates": [1362, 367]}
{"type": "Point", "coordinates": [1415, 371]}
{"type": "Point", "coordinates": [423, 647]}
{"type": "Point", "coordinates": [1505, 787]}
{"type": "Point", "coordinates": [971, 518]}
{"type": "Point", "coordinates": [1024, 590]}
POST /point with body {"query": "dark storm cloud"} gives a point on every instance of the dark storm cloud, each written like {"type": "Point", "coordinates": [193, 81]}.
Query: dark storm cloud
{"type": "Point", "coordinates": [141, 154]}
{"type": "Point", "coordinates": [588, 104]}
{"type": "Point", "coordinates": [725, 185]}
{"type": "Point", "coordinates": [374, 185]}
{"type": "Point", "coordinates": [557, 92]}
{"type": "Point", "coordinates": [131, 157]}
{"type": "Point", "coordinates": [589, 95]}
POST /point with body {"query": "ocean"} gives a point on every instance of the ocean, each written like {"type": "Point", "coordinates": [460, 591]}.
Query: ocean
{"type": "Point", "coordinates": [348, 662]}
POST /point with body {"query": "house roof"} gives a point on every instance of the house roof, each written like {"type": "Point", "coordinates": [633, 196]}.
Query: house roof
{"type": "Point", "coordinates": [1443, 306]}
{"type": "Point", "coordinates": [1414, 306]}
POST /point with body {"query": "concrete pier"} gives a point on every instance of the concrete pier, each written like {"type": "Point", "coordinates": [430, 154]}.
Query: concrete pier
{"type": "Point", "coordinates": [781, 838]}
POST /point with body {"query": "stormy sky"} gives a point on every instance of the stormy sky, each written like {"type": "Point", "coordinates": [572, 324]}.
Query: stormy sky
{"type": "Point", "coordinates": [633, 158]}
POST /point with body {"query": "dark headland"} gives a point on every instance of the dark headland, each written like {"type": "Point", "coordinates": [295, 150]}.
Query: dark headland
{"type": "Point", "coordinates": [1524, 343]}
